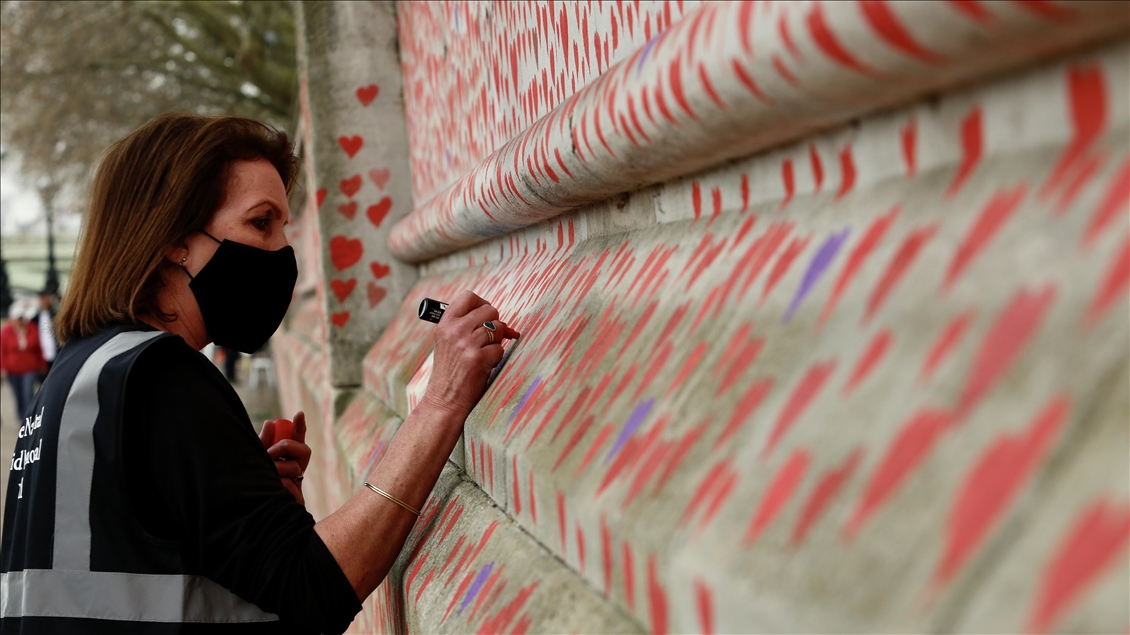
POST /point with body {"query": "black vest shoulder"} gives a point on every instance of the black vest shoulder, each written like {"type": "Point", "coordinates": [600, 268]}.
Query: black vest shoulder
{"type": "Point", "coordinates": [74, 557]}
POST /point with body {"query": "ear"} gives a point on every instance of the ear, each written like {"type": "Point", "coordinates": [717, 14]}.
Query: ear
{"type": "Point", "coordinates": [177, 252]}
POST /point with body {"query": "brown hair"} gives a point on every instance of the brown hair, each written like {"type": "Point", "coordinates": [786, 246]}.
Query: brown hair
{"type": "Point", "coordinates": [152, 190]}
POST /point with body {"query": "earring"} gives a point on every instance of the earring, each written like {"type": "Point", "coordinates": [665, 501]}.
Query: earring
{"type": "Point", "coordinates": [182, 260]}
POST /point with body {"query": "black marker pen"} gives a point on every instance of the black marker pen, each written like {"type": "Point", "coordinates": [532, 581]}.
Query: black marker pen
{"type": "Point", "coordinates": [432, 310]}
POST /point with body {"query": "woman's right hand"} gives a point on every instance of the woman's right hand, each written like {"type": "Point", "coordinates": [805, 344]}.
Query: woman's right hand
{"type": "Point", "coordinates": [464, 355]}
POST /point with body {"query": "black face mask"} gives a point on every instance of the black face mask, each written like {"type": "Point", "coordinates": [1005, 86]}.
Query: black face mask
{"type": "Point", "coordinates": [244, 292]}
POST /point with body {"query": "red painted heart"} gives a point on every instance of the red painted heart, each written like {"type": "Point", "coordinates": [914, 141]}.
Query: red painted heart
{"type": "Point", "coordinates": [350, 186]}
{"type": "Point", "coordinates": [377, 213]}
{"type": "Point", "coordinates": [348, 210]}
{"type": "Point", "coordinates": [321, 195]}
{"type": "Point", "coordinates": [340, 318]}
{"type": "Point", "coordinates": [342, 288]}
{"type": "Point", "coordinates": [351, 145]}
{"type": "Point", "coordinates": [380, 177]}
{"type": "Point", "coordinates": [376, 294]}
{"type": "Point", "coordinates": [366, 94]}
{"type": "Point", "coordinates": [345, 252]}
{"type": "Point", "coordinates": [379, 270]}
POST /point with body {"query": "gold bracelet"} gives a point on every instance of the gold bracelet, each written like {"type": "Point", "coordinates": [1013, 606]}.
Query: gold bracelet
{"type": "Point", "coordinates": [392, 498]}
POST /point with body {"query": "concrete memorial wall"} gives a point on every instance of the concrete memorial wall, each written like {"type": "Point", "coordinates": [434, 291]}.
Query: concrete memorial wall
{"type": "Point", "coordinates": [824, 308]}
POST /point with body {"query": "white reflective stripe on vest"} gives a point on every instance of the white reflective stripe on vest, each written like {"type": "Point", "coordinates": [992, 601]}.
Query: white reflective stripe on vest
{"type": "Point", "coordinates": [134, 597]}
{"type": "Point", "coordinates": [74, 468]}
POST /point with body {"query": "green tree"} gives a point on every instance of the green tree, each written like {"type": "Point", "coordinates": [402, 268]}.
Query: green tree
{"type": "Point", "coordinates": [77, 76]}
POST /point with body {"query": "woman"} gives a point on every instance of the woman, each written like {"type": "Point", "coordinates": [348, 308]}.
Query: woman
{"type": "Point", "coordinates": [21, 358]}
{"type": "Point", "coordinates": [143, 500]}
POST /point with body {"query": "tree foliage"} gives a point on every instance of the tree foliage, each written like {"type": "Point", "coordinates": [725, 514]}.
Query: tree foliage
{"type": "Point", "coordinates": [77, 76]}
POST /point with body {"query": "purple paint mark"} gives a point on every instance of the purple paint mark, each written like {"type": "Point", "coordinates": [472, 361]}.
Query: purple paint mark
{"type": "Point", "coordinates": [476, 586]}
{"type": "Point", "coordinates": [522, 401]}
{"type": "Point", "coordinates": [816, 268]}
{"type": "Point", "coordinates": [646, 50]}
{"type": "Point", "coordinates": [634, 422]}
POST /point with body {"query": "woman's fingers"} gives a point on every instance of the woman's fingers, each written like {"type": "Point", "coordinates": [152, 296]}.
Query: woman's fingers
{"type": "Point", "coordinates": [464, 303]}
{"type": "Point", "coordinates": [300, 427]}
{"type": "Point", "coordinates": [290, 449]}
{"type": "Point", "coordinates": [267, 434]}
{"type": "Point", "coordinates": [289, 469]}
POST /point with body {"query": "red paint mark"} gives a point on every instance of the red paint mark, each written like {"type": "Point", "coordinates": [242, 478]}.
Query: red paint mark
{"type": "Point", "coordinates": [320, 197]}
{"type": "Point", "coordinates": [366, 94]}
{"type": "Point", "coordinates": [416, 570]}
{"type": "Point", "coordinates": [578, 434]}
{"type": "Point", "coordinates": [817, 166]}
{"type": "Point", "coordinates": [794, 249]}
{"type": "Point", "coordinates": [678, 454]}
{"type": "Point", "coordinates": [717, 474]}
{"type": "Point", "coordinates": [689, 365]}
{"type": "Point", "coordinates": [1014, 327]}
{"type": "Point", "coordinates": [973, 10]}
{"type": "Point", "coordinates": [653, 369]}
{"type": "Point", "coordinates": [629, 577]}
{"type": "Point", "coordinates": [350, 186]}
{"type": "Point", "coordinates": [696, 199]}
{"type": "Point", "coordinates": [972, 141]}
{"type": "Point", "coordinates": [745, 206]}
{"type": "Point", "coordinates": [992, 217]}
{"type": "Point", "coordinates": [748, 82]}
{"type": "Point", "coordinates": [459, 592]}
{"type": "Point", "coordinates": [533, 503]}
{"type": "Point", "coordinates": [1092, 545]}
{"type": "Point", "coordinates": [909, 139]}
{"type": "Point", "coordinates": [787, 179]}
{"type": "Point", "coordinates": [657, 598]}
{"type": "Point", "coordinates": [1114, 285]}
{"type": "Point", "coordinates": [517, 490]}
{"type": "Point", "coordinates": [424, 584]}
{"type": "Point", "coordinates": [345, 252]}
{"type": "Point", "coordinates": [745, 353]}
{"type": "Point", "coordinates": [499, 622]}
{"type": "Point", "coordinates": [825, 490]}
{"type": "Point", "coordinates": [339, 319]}
{"type": "Point", "coordinates": [597, 443]}
{"type": "Point", "coordinates": [675, 78]}
{"type": "Point", "coordinates": [351, 145]}
{"type": "Point", "coordinates": [485, 592]}
{"type": "Point", "coordinates": [606, 554]}
{"type": "Point", "coordinates": [718, 497]}
{"type": "Point", "coordinates": [1116, 200]}
{"type": "Point", "coordinates": [847, 172]}
{"type": "Point", "coordinates": [581, 547]}
{"type": "Point", "coordinates": [945, 343]}
{"type": "Point", "coordinates": [1087, 103]}
{"type": "Point", "coordinates": [803, 393]}
{"type": "Point", "coordinates": [744, 409]}
{"type": "Point", "coordinates": [708, 87]}
{"type": "Point", "coordinates": [704, 603]}
{"type": "Point", "coordinates": [780, 490]}
{"type": "Point", "coordinates": [908, 449]}
{"type": "Point", "coordinates": [995, 480]}
{"type": "Point", "coordinates": [897, 268]}
{"type": "Point", "coordinates": [745, 26]}
{"type": "Point", "coordinates": [716, 198]}
{"type": "Point", "coordinates": [783, 71]}
{"type": "Point", "coordinates": [348, 210]}
{"type": "Point", "coordinates": [342, 288]}
{"type": "Point", "coordinates": [787, 37]}
{"type": "Point", "coordinates": [1088, 168]}
{"type": "Point", "coordinates": [886, 23]}
{"type": "Point", "coordinates": [561, 519]}
{"type": "Point", "coordinates": [867, 361]}
{"type": "Point", "coordinates": [454, 552]}
{"type": "Point", "coordinates": [830, 46]}
{"type": "Point", "coordinates": [859, 255]}
{"type": "Point", "coordinates": [451, 523]}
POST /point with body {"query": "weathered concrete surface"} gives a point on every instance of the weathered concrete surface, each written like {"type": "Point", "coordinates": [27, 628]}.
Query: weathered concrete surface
{"type": "Point", "coordinates": [873, 381]}
{"type": "Point", "coordinates": [356, 150]}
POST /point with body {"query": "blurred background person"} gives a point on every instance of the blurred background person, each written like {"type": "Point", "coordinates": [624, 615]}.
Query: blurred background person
{"type": "Point", "coordinates": [48, 343]}
{"type": "Point", "coordinates": [21, 358]}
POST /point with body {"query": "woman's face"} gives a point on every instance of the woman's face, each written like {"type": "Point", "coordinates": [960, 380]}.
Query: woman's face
{"type": "Point", "coordinates": [254, 210]}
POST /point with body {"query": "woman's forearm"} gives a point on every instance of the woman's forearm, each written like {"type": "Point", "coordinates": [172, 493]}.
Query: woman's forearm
{"type": "Point", "coordinates": [366, 534]}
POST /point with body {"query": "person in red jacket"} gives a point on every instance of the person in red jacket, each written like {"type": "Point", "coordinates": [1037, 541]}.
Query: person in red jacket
{"type": "Point", "coordinates": [21, 358]}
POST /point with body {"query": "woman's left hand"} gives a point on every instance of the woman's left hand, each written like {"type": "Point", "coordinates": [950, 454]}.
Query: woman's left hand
{"type": "Point", "coordinates": [291, 456]}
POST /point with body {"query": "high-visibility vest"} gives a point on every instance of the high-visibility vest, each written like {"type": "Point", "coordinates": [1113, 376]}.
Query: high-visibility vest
{"type": "Point", "coordinates": [74, 556]}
